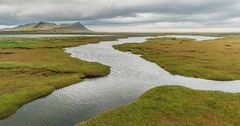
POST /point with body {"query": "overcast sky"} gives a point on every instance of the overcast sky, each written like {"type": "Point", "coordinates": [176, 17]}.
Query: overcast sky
{"type": "Point", "coordinates": [125, 15]}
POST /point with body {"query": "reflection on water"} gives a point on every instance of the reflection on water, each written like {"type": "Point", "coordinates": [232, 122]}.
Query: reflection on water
{"type": "Point", "coordinates": [130, 77]}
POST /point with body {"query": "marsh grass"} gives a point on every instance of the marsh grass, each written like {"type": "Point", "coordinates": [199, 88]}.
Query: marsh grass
{"type": "Point", "coordinates": [174, 106]}
{"type": "Point", "coordinates": [213, 59]}
{"type": "Point", "coordinates": [34, 67]}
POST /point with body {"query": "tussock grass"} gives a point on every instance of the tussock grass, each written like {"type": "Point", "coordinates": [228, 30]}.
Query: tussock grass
{"type": "Point", "coordinates": [174, 106]}
{"type": "Point", "coordinates": [213, 59]}
{"type": "Point", "coordinates": [34, 67]}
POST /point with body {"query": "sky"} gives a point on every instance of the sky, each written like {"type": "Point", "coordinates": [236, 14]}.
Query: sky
{"type": "Point", "coordinates": [127, 15]}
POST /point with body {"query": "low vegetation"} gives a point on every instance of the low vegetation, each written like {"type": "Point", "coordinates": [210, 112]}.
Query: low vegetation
{"type": "Point", "coordinates": [34, 67]}
{"type": "Point", "coordinates": [213, 59]}
{"type": "Point", "coordinates": [174, 106]}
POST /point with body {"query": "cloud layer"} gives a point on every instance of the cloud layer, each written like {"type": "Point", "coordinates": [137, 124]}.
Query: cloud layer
{"type": "Point", "coordinates": [163, 14]}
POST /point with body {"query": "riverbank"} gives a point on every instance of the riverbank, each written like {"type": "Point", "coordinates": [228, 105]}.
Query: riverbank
{"type": "Point", "coordinates": [174, 105]}
{"type": "Point", "coordinates": [34, 67]}
{"type": "Point", "coordinates": [212, 59]}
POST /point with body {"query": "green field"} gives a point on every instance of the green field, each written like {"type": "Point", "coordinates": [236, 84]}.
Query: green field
{"type": "Point", "coordinates": [174, 106]}
{"type": "Point", "coordinates": [214, 59]}
{"type": "Point", "coordinates": [34, 67]}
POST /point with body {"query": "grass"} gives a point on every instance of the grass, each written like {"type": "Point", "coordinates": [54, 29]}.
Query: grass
{"type": "Point", "coordinates": [214, 59]}
{"type": "Point", "coordinates": [174, 106]}
{"type": "Point", "coordinates": [34, 67]}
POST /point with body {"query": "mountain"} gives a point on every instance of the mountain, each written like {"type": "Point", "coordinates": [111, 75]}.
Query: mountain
{"type": "Point", "coordinates": [46, 27]}
{"type": "Point", "coordinates": [75, 27]}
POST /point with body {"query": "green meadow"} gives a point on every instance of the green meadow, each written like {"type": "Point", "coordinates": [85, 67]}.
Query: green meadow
{"type": "Point", "coordinates": [34, 67]}
{"type": "Point", "coordinates": [213, 59]}
{"type": "Point", "coordinates": [174, 106]}
{"type": "Point", "coordinates": [31, 68]}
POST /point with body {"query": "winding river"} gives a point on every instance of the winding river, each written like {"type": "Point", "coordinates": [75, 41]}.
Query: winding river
{"type": "Point", "coordinates": [130, 77]}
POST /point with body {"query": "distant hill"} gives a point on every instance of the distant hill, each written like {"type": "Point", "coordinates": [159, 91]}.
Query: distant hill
{"type": "Point", "coordinates": [46, 27]}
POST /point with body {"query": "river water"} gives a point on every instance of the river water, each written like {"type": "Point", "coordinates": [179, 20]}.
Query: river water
{"type": "Point", "coordinates": [130, 77]}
